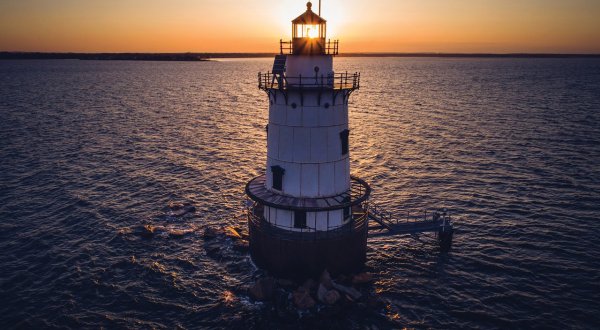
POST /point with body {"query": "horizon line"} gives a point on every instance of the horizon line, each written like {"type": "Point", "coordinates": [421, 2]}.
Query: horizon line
{"type": "Point", "coordinates": [197, 56]}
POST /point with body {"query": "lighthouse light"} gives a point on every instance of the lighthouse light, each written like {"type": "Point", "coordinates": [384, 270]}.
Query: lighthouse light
{"type": "Point", "coordinates": [312, 31]}
{"type": "Point", "coordinates": [308, 31]}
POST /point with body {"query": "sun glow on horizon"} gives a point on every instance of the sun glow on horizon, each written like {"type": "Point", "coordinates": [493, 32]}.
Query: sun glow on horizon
{"type": "Point", "coordinates": [257, 26]}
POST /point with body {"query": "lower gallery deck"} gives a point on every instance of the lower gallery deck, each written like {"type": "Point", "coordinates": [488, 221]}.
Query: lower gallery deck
{"type": "Point", "coordinates": [308, 252]}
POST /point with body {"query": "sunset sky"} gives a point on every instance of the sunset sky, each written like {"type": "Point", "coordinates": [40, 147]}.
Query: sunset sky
{"type": "Point", "coordinates": [500, 26]}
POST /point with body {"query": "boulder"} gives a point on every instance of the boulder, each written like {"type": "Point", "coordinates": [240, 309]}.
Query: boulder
{"type": "Point", "coordinates": [331, 297]}
{"type": "Point", "coordinates": [210, 232]}
{"type": "Point", "coordinates": [146, 231]}
{"type": "Point", "coordinates": [178, 233]}
{"type": "Point", "coordinates": [125, 231]}
{"type": "Point", "coordinates": [175, 205]}
{"type": "Point", "coordinates": [362, 278]}
{"type": "Point", "coordinates": [180, 209]}
{"type": "Point", "coordinates": [350, 292]}
{"type": "Point", "coordinates": [282, 304]}
{"type": "Point", "coordinates": [321, 292]}
{"type": "Point", "coordinates": [302, 299]}
{"type": "Point", "coordinates": [326, 280]}
{"type": "Point", "coordinates": [263, 289]}
{"type": "Point", "coordinates": [232, 232]}
{"type": "Point", "coordinates": [241, 232]}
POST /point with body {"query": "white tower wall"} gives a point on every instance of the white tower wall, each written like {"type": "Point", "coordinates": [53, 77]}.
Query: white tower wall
{"type": "Point", "coordinates": [305, 141]}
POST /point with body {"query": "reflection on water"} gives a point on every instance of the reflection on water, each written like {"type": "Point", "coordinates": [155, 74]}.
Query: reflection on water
{"type": "Point", "coordinates": [91, 151]}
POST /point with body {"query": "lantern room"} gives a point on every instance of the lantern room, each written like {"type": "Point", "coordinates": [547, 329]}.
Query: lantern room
{"type": "Point", "coordinates": [308, 33]}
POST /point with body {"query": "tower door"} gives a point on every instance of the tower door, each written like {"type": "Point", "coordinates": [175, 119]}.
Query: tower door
{"type": "Point", "coordinates": [299, 219]}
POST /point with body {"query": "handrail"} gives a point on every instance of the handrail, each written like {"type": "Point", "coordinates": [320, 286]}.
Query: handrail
{"type": "Point", "coordinates": [424, 216]}
{"type": "Point", "coordinates": [336, 81]}
{"type": "Point", "coordinates": [285, 47]}
{"type": "Point", "coordinates": [331, 47]}
{"type": "Point", "coordinates": [358, 223]}
{"type": "Point", "coordinates": [257, 191]}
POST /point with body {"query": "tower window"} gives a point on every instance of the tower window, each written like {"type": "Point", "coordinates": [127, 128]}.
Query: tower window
{"type": "Point", "coordinates": [299, 219]}
{"type": "Point", "coordinates": [278, 173]}
{"type": "Point", "coordinates": [344, 139]}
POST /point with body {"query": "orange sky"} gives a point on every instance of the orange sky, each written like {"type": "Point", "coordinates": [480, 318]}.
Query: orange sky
{"type": "Point", "coordinates": [501, 26]}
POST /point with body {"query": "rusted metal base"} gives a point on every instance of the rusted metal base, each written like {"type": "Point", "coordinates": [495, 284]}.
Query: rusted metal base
{"type": "Point", "coordinates": [301, 255]}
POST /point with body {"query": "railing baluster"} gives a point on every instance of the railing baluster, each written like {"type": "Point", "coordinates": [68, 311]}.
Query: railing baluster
{"type": "Point", "coordinates": [271, 80]}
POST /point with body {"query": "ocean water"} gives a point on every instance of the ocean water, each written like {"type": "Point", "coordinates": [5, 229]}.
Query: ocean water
{"type": "Point", "coordinates": [91, 150]}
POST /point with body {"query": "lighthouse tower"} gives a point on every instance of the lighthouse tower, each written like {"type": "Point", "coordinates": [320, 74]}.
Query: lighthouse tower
{"type": "Point", "coordinates": [307, 212]}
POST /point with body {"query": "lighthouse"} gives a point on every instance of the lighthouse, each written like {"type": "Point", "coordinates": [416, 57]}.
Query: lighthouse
{"type": "Point", "coordinates": [307, 212]}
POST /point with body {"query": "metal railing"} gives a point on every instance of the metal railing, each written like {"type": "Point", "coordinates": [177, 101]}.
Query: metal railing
{"type": "Point", "coordinates": [336, 81]}
{"type": "Point", "coordinates": [330, 48]}
{"type": "Point", "coordinates": [357, 224]}
{"type": "Point", "coordinates": [406, 216]}
{"type": "Point", "coordinates": [358, 193]}
{"type": "Point", "coordinates": [285, 47]}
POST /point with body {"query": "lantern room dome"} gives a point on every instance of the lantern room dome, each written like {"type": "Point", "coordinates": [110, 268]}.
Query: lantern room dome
{"type": "Point", "coordinates": [309, 17]}
{"type": "Point", "coordinates": [309, 31]}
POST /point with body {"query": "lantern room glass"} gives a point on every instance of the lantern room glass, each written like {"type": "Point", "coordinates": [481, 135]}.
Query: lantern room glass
{"type": "Point", "coordinates": [309, 30]}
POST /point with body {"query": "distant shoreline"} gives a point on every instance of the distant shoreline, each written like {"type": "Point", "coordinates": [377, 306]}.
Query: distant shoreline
{"type": "Point", "coordinates": [194, 57]}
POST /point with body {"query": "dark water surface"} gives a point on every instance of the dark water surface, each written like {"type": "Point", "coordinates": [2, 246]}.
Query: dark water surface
{"type": "Point", "coordinates": [91, 149]}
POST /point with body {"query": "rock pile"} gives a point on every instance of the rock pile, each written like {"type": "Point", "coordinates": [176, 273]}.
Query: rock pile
{"type": "Point", "coordinates": [309, 300]}
{"type": "Point", "coordinates": [176, 209]}
{"type": "Point", "coordinates": [324, 292]}
{"type": "Point", "coordinates": [215, 239]}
